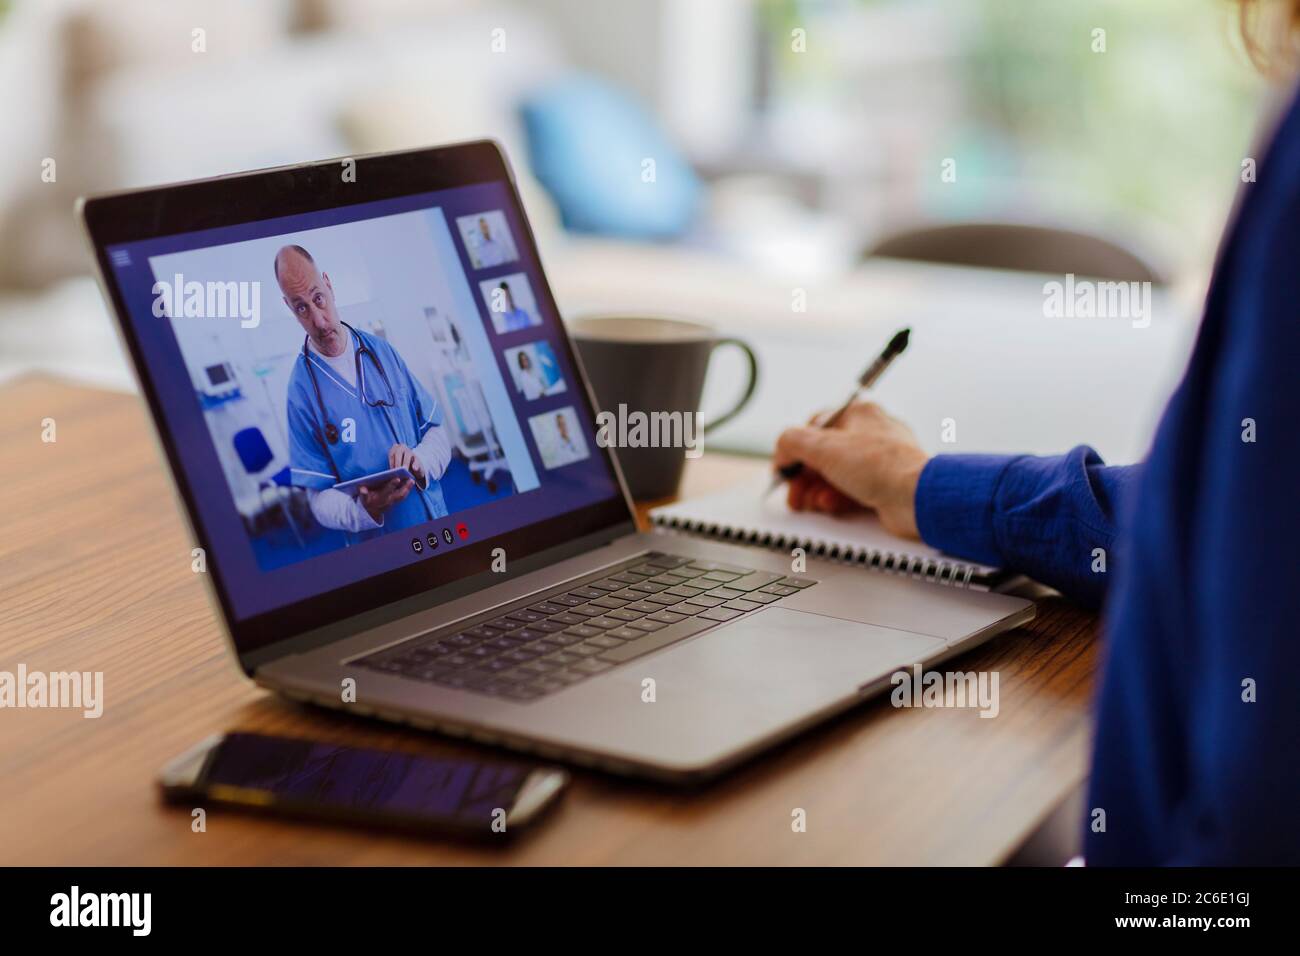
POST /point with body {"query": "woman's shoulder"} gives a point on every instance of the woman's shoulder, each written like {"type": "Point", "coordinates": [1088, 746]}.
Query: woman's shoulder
{"type": "Point", "coordinates": [1273, 166]}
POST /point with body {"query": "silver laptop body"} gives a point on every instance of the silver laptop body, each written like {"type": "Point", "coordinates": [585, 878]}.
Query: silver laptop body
{"type": "Point", "coordinates": [721, 692]}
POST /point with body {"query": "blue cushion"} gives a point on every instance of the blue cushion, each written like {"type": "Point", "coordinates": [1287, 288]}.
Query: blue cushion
{"type": "Point", "coordinates": [588, 143]}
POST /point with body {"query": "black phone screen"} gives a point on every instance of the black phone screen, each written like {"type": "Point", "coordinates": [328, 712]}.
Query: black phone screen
{"type": "Point", "coordinates": [362, 781]}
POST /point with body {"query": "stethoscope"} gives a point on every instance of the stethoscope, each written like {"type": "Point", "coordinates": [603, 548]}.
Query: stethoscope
{"type": "Point", "coordinates": [331, 431]}
{"type": "Point", "coordinates": [363, 351]}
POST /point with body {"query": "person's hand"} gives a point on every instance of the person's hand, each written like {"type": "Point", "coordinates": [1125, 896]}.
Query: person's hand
{"type": "Point", "coordinates": [868, 459]}
{"type": "Point", "coordinates": [385, 496]}
{"type": "Point", "coordinates": [401, 456]}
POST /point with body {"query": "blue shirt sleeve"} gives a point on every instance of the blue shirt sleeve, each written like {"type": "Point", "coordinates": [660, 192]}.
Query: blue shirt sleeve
{"type": "Point", "coordinates": [428, 411]}
{"type": "Point", "coordinates": [425, 410]}
{"type": "Point", "coordinates": [1053, 518]}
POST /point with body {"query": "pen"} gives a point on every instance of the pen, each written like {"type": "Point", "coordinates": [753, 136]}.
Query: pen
{"type": "Point", "coordinates": [868, 378]}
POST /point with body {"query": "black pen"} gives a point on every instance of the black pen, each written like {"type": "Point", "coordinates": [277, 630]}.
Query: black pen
{"type": "Point", "coordinates": [868, 378]}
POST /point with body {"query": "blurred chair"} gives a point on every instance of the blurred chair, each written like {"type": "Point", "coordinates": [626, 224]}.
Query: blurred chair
{"type": "Point", "coordinates": [1022, 248]}
{"type": "Point", "coordinates": [255, 454]}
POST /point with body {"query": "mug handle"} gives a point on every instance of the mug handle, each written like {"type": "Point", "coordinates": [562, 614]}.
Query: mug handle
{"type": "Point", "coordinates": [750, 387]}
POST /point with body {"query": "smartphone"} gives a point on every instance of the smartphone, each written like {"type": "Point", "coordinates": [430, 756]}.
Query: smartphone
{"type": "Point", "coordinates": [311, 779]}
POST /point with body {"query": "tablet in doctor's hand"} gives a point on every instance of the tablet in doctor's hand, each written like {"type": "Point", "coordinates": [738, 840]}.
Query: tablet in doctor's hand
{"type": "Point", "coordinates": [374, 481]}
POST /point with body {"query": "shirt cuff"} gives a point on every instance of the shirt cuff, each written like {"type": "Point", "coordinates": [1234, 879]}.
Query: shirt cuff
{"type": "Point", "coordinates": [364, 521]}
{"type": "Point", "coordinates": [954, 505]}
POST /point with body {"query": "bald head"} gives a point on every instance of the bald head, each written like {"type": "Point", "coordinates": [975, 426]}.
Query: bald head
{"type": "Point", "coordinates": [291, 252]}
{"type": "Point", "coordinates": [310, 297]}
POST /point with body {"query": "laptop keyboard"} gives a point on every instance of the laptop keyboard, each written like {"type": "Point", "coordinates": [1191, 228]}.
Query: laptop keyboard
{"type": "Point", "coordinates": [547, 644]}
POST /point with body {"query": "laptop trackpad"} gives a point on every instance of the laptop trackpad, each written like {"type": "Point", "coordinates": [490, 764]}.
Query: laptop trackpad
{"type": "Point", "coordinates": [789, 655]}
{"type": "Point", "coordinates": [750, 678]}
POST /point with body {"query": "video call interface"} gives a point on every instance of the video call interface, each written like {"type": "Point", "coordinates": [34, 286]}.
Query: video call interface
{"type": "Point", "coordinates": [375, 384]}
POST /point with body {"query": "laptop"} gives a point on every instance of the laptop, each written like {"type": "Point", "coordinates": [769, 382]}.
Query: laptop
{"type": "Point", "coordinates": [296, 329]}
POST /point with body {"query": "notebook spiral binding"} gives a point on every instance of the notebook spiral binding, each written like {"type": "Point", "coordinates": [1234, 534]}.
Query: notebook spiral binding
{"type": "Point", "coordinates": [948, 573]}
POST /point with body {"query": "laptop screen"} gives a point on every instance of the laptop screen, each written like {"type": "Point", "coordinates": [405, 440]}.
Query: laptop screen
{"type": "Point", "coordinates": [354, 390]}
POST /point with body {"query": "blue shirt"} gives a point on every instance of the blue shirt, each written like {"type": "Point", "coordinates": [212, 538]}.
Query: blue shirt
{"type": "Point", "coordinates": [1197, 750]}
{"type": "Point", "coordinates": [515, 319]}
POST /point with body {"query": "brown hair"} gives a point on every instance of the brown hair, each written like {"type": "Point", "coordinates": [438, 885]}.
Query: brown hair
{"type": "Point", "coordinates": [1269, 29]}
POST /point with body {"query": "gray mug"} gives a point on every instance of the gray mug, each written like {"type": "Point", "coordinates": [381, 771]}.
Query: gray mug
{"type": "Point", "coordinates": [648, 376]}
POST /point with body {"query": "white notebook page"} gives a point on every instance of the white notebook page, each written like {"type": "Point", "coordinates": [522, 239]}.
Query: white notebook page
{"type": "Point", "coordinates": [743, 508]}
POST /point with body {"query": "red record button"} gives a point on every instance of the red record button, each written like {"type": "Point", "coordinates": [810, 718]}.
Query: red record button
{"type": "Point", "coordinates": [463, 530]}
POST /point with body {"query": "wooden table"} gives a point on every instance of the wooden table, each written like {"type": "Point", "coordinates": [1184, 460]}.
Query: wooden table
{"type": "Point", "coordinates": [95, 575]}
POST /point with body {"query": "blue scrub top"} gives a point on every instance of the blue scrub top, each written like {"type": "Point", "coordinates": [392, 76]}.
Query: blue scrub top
{"type": "Point", "coordinates": [516, 319]}
{"type": "Point", "coordinates": [319, 465]}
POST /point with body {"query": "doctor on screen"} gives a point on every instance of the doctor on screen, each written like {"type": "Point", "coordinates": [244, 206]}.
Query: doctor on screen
{"type": "Point", "coordinates": [532, 380]}
{"type": "Point", "coordinates": [355, 409]}
{"type": "Point", "coordinates": [513, 318]}
{"type": "Point", "coordinates": [490, 251]}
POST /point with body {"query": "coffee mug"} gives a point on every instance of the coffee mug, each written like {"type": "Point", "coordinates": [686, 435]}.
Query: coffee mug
{"type": "Point", "coordinates": [648, 376]}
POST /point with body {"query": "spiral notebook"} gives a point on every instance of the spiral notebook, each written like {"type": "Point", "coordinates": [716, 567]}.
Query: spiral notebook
{"type": "Point", "coordinates": [743, 515]}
